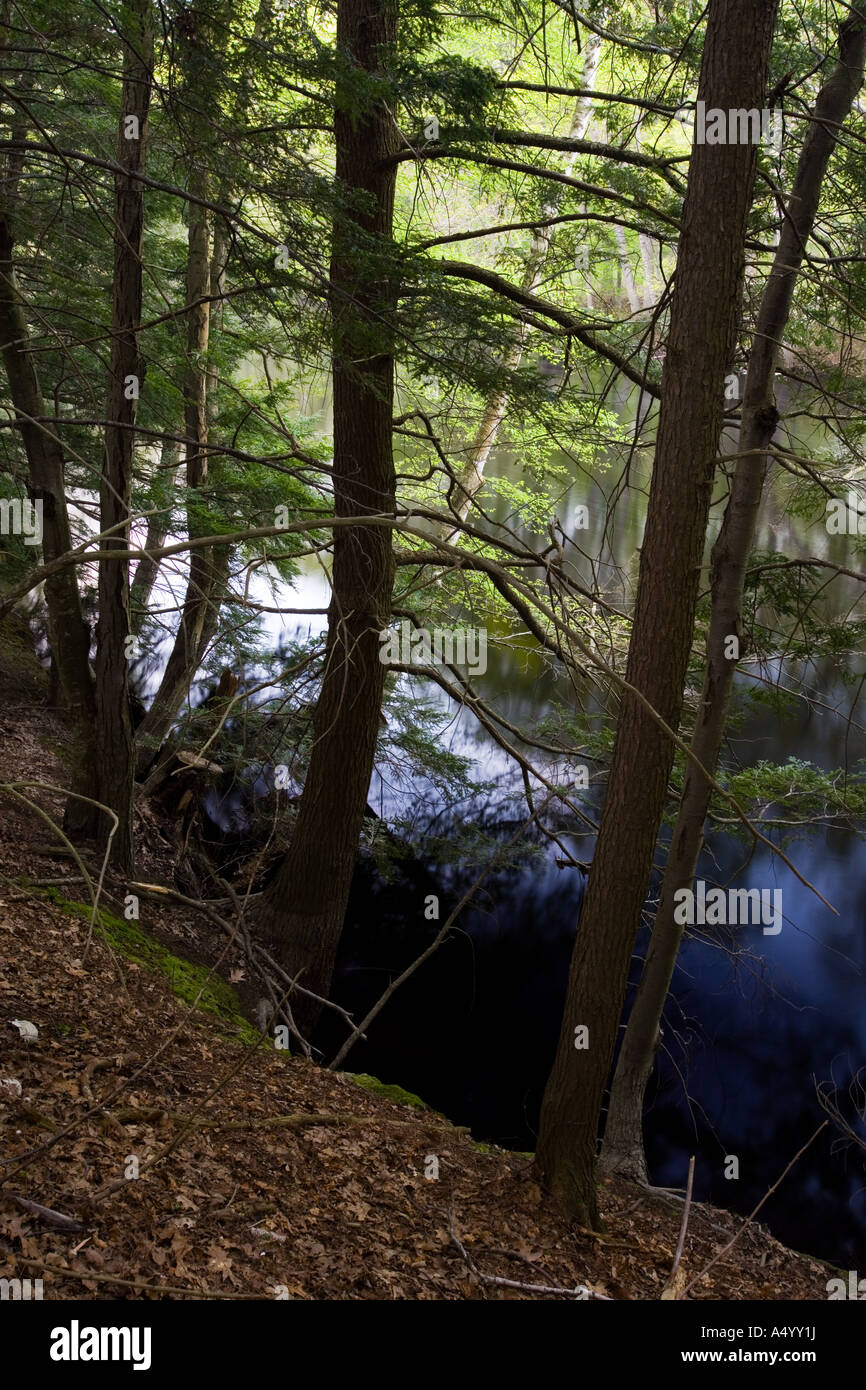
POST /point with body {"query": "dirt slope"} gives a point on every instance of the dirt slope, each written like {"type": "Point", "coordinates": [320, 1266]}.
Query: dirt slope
{"type": "Point", "coordinates": [260, 1175]}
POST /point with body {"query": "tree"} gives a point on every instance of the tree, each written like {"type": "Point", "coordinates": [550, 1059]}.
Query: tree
{"type": "Point", "coordinates": [302, 910]}
{"type": "Point", "coordinates": [115, 765]}
{"type": "Point", "coordinates": [200, 74]}
{"type": "Point", "coordinates": [623, 1138]}
{"type": "Point", "coordinates": [46, 484]}
{"type": "Point", "coordinates": [699, 350]}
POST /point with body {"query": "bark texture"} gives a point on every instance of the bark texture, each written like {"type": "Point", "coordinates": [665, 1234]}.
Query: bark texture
{"type": "Point", "coordinates": [700, 345]}
{"type": "Point", "coordinates": [68, 633]}
{"type": "Point", "coordinates": [623, 1139]}
{"type": "Point", "coordinates": [114, 743]}
{"type": "Point", "coordinates": [303, 909]}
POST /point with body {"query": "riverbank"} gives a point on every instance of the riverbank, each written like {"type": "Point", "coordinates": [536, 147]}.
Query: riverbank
{"type": "Point", "coordinates": [260, 1174]}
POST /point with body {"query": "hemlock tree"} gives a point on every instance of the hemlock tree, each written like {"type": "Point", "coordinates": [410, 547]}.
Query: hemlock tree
{"type": "Point", "coordinates": [699, 349]}
{"type": "Point", "coordinates": [69, 634]}
{"type": "Point", "coordinates": [201, 77]}
{"type": "Point", "coordinates": [302, 911]}
{"type": "Point", "coordinates": [256, 155]}
{"type": "Point", "coordinates": [623, 1137]}
{"type": "Point", "coordinates": [114, 748]}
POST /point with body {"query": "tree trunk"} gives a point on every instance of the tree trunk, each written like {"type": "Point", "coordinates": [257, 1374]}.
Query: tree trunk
{"type": "Point", "coordinates": [700, 346]}
{"type": "Point", "coordinates": [208, 569]}
{"type": "Point", "coordinates": [157, 529]}
{"type": "Point", "coordinates": [626, 270]}
{"type": "Point", "coordinates": [623, 1139]}
{"type": "Point", "coordinates": [114, 745]}
{"type": "Point", "coordinates": [184, 657]}
{"type": "Point", "coordinates": [302, 911]}
{"type": "Point", "coordinates": [218, 559]}
{"type": "Point", "coordinates": [68, 633]}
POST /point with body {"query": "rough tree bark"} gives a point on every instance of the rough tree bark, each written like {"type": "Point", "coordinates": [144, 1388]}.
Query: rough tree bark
{"type": "Point", "coordinates": [207, 259]}
{"type": "Point", "coordinates": [68, 633]}
{"type": "Point", "coordinates": [302, 911]}
{"type": "Point", "coordinates": [114, 744]}
{"type": "Point", "coordinates": [623, 1138]}
{"type": "Point", "coordinates": [157, 529]}
{"type": "Point", "coordinates": [700, 345]}
{"type": "Point", "coordinates": [183, 658]}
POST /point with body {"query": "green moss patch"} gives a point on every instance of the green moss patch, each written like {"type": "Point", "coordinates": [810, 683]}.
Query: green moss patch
{"type": "Point", "coordinates": [21, 671]}
{"type": "Point", "coordinates": [393, 1093]}
{"type": "Point", "coordinates": [194, 984]}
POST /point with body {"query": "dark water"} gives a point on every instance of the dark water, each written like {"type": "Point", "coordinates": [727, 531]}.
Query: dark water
{"type": "Point", "coordinates": [750, 1022]}
{"type": "Point", "coordinates": [754, 1022]}
{"type": "Point", "coordinates": [753, 1025]}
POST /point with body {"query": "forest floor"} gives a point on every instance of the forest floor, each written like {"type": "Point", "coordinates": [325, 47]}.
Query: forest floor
{"type": "Point", "coordinates": [260, 1175]}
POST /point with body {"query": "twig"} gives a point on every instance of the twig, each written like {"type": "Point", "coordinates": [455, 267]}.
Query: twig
{"type": "Point", "coordinates": [280, 1010]}
{"type": "Point", "coordinates": [675, 1279]}
{"type": "Point", "coordinates": [48, 1215]}
{"type": "Point", "coordinates": [580, 1291]}
{"type": "Point", "coordinates": [51, 882]}
{"type": "Point", "coordinates": [685, 1222]}
{"type": "Point", "coordinates": [11, 789]}
{"type": "Point", "coordinates": [130, 1283]}
{"type": "Point", "coordinates": [750, 1218]}
{"type": "Point", "coordinates": [434, 944]}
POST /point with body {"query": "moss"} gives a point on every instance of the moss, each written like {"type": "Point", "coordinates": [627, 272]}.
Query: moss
{"type": "Point", "coordinates": [21, 671]}
{"type": "Point", "coordinates": [401, 1097]}
{"type": "Point", "coordinates": [393, 1093]}
{"type": "Point", "coordinates": [483, 1148]}
{"type": "Point", "coordinates": [185, 979]}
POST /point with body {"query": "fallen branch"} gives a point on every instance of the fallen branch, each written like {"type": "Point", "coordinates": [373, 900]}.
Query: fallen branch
{"type": "Point", "coordinates": [130, 1115]}
{"type": "Point", "coordinates": [581, 1291]}
{"type": "Point", "coordinates": [58, 1219]}
{"type": "Point", "coordinates": [676, 1280]}
{"type": "Point", "coordinates": [99, 1064]}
